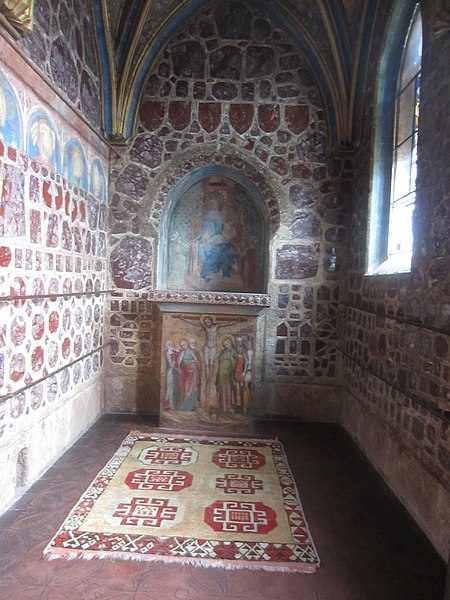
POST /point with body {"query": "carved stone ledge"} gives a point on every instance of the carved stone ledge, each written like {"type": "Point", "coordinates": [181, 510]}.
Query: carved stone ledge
{"type": "Point", "coordinates": [223, 298]}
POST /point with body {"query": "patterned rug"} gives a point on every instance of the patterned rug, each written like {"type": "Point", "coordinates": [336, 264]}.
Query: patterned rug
{"type": "Point", "coordinates": [230, 503]}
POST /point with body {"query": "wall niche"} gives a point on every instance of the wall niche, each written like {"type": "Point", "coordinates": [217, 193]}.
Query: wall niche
{"type": "Point", "coordinates": [214, 235]}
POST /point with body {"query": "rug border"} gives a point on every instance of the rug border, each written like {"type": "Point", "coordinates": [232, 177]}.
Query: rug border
{"type": "Point", "coordinates": [225, 563]}
{"type": "Point", "coordinates": [55, 553]}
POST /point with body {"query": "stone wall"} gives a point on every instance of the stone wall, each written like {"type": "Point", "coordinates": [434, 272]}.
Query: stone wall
{"type": "Point", "coordinates": [53, 253]}
{"type": "Point", "coordinates": [236, 92]}
{"type": "Point", "coordinates": [397, 359]}
{"type": "Point", "coordinates": [62, 47]}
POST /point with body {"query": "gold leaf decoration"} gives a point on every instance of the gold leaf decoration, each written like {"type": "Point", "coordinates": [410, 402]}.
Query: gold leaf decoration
{"type": "Point", "coordinates": [19, 14]}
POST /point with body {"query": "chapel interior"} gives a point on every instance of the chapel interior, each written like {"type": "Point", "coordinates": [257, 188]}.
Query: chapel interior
{"type": "Point", "coordinates": [128, 131]}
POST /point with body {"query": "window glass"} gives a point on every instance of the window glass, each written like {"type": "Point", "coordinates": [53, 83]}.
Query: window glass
{"type": "Point", "coordinates": [404, 163]}
{"type": "Point", "coordinates": [413, 51]}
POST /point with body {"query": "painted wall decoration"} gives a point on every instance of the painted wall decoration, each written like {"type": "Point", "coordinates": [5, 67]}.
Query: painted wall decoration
{"type": "Point", "coordinates": [52, 241]}
{"type": "Point", "coordinates": [52, 245]}
{"type": "Point", "coordinates": [43, 142]}
{"type": "Point", "coordinates": [216, 238]}
{"type": "Point", "coordinates": [10, 119]}
{"type": "Point", "coordinates": [207, 365]}
{"type": "Point", "coordinates": [97, 184]}
{"type": "Point", "coordinates": [75, 166]}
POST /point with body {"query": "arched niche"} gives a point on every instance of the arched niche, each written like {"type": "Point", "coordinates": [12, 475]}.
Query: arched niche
{"type": "Point", "coordinates": [214, 234]}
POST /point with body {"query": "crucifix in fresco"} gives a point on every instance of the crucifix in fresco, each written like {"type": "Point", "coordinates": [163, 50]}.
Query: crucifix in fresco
{"type": "Point", "coordinates": [206, 371]}
{"type": "Point", "coordinates": [211, 329]}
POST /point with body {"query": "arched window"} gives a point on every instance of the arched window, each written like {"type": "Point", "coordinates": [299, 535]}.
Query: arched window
{"type": "Point", "coordinates": [395, 154]}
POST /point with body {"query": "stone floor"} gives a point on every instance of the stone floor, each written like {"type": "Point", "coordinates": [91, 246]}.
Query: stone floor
{"type": "Point", "coordinates": [369, 547]}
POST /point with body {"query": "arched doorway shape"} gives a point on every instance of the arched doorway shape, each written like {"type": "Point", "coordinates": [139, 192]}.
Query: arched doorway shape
{"type": "Point", "coordinates": [214, 234]}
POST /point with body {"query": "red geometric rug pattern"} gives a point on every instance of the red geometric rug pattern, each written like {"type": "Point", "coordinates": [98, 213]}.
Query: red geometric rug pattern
{"type": "Point", "coordinates": [231, 503]}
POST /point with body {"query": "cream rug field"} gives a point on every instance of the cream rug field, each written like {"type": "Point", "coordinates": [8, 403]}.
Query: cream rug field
{"type": "Point", "coordinates": [230, 503]}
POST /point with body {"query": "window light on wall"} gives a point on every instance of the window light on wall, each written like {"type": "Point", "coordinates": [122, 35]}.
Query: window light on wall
{"type": "Point", "coordinates": [395, 154]}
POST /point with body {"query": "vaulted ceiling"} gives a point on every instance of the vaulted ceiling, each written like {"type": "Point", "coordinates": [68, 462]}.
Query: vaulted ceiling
{"type": "Point", "coordinates": [334, 35]}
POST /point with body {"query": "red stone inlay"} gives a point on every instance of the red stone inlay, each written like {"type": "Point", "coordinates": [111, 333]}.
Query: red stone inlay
{"type": "Point", "coordinates": [151, 114]}
{"type": "Point", "coordinates": [241, 116]}
{"type": "Point", "coordinates": [37, 358]}
{"type": "Point", "coordinates": [12, 153]}
{"type": "Point", "coordinates": [209, 115]}
{"type": "Point", "coordinates": [53, 321]}
{"type": "Point", "coordinates": [234, 516]}
{"type": "Point", "coordinates": [297, 118]}
{"type": "Point", "coordinates": [180, 114]}
{"type": "Point", "coordinates": [269, 117]}
{"type": "Point", "coordinates": [66, 347]}
{"type": "Point", "coordinates": [5, 256]}
{"type": "Point", "coordinates": [18, 288]}
{"type": "Point", "coordinates": [17, 367]}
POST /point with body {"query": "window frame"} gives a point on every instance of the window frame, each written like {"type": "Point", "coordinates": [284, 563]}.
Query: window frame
{"type": "Point", "coordinates": [377, 255]}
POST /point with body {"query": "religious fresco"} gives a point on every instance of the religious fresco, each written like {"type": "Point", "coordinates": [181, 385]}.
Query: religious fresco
{"type": "Point", "coordinates": [216, 239]}
{"type": "Point", "coordinates": [42, 141]}
{"type": "Point", "coordinates": [10, 119]}
{"type": "Point", "coordinates": [97, 185]}
{"type": "Point", "coordinates": [75, 166]}
{"type": "Point", "coordinates": [207, 366]}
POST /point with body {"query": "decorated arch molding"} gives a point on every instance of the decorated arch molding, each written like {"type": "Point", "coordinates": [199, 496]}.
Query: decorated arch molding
{"type": "Point", "coordinates": [207, 162]}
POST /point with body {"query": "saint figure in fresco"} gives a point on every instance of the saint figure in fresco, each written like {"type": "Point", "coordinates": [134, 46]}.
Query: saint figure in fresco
{"type": "Point", "coordinates": [216, 248]}
{"type": "Point", "coordinates": [243, 373]}
{"type": "Point", "coordinates": [171, 391]}
{"type": "Point", "coordinates": [225, 376]}
{"type": "Point", "coordinates": [211, 329]}
{"type": "Point", "coordinates": [10, 121]}
{"type": "Point", "coordinates": [43, 138]}
{"type": "Point", "coordinates": [77, 167]}
{"type": "Point", "coordinates": [188, 365]}
{"type": "Point", "coordinates": [98, 180]}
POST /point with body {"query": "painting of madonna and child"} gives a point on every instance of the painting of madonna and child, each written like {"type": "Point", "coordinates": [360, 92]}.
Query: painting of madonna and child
{"type": "Point", "coordinates": [216, 239]}
{"type": "Point", "coordinates": [207, 365]}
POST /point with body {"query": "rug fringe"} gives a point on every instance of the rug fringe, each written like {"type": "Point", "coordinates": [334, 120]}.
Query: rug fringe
{"type": "Point", "coordinates": [193, 436]}
{"type": "Point", "coordinates": [57, 554]}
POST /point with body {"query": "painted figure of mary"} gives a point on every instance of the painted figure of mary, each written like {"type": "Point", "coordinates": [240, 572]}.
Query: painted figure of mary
{"type": "Point", "coordinates": [217, 253]}
{"type": "Point", "coordinates": [188, 364]}
{"type": "Point", "coordinates": [171, 391]}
